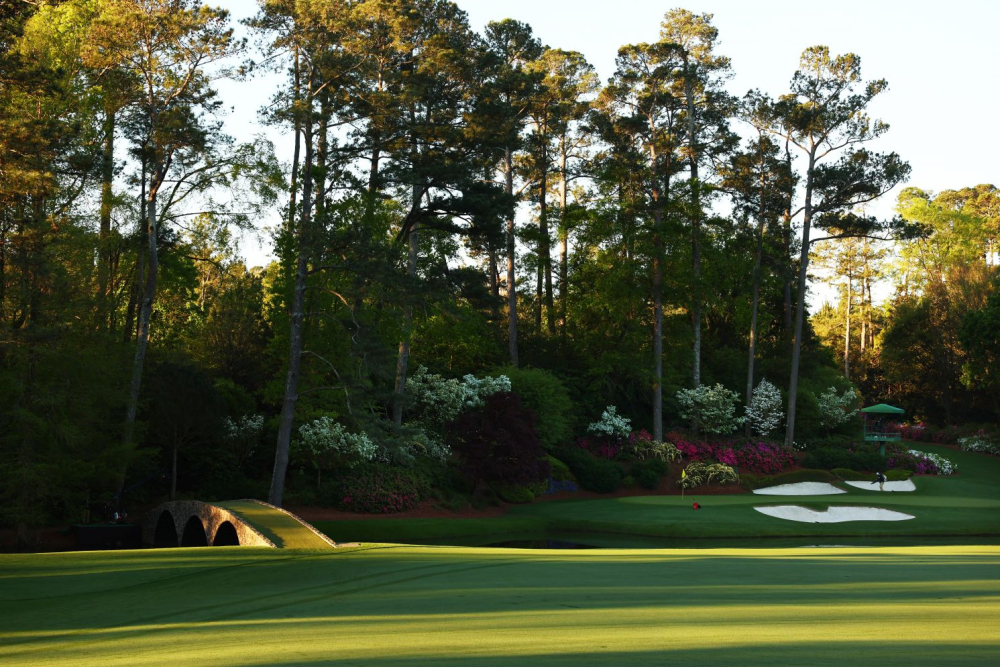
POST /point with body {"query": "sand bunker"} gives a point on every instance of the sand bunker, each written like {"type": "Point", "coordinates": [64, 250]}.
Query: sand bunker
{"type": "Point", "coordinates": [800, 489]}
{"type": "Point", "coordinates": [905, 485]}
{"type": "Point", "coordinates": [832, 514]}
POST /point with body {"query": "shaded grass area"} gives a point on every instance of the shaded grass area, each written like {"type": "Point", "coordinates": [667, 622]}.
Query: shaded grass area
{"type": "Point", "coordinates": [423, 606]}
{"type": "Point", "coordinates": [967, 504]}
{"type": "Point", "coordinates": [284, 530]}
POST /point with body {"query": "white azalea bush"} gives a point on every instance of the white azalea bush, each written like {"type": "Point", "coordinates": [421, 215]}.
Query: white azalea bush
{"type": "Point", "coordinates": [835, 410]}
{"type": "Point", "coordinates": [713, 407]}
{"type": "Point", "coordinates": [944, 465]}
{"type": "Point", "coordinates": [438, 400]}
{"type": "Point", "coordinates": [326, 444]}
{"type": "Point", "coordinates": [241, 436]}
{"type": "Point", "coordinates": [765, 412]}
{"type": "Point", "coordinates": [611, 425]}
{"type": "Point", "coordinates": [979, 443]}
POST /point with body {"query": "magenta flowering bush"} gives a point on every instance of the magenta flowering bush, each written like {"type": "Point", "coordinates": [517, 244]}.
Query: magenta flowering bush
{"type": "Point", "coordinates": [756, 455]}
{"type": "Point", "coordinates": [600, 447]}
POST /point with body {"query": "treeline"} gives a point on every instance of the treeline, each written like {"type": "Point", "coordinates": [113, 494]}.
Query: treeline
{"type": "Point", "coordinates": [456, 200]}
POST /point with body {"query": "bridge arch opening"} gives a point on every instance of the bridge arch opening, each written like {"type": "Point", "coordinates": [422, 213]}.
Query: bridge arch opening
{"type": "Point", "coordinates": [194, 534]}
{"type": "Point", "coordinates": [165, 534]}
{"type": "Point", "coordinates": [226, 536]}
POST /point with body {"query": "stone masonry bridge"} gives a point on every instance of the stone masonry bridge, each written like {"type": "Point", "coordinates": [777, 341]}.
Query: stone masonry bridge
{"type": "Point", "coordinates": [249, 523]}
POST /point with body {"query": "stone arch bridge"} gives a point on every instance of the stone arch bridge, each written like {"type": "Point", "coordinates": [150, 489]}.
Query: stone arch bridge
{"type": "Point", "coordinates": [248, 523]}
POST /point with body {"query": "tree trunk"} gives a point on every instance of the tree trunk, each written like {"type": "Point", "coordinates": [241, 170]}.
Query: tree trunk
{"type": "Point", "coordinates": [173, 473]}
{"type": "Point", "coordinates": [511, 285]}
{"type": "Point", "coordinates": [104, 253]}
{"type": "Point", "coordinates": [695, 234]}
{"type": "Point", "coordinates": [657, 303]}
{"type": "Point", "coordinates": [546, 248]}
{"type": "Point", "coordinates": [847, 330]}
{"type": "Point", "coordinates": [755, 296]}
{"type": "Point", "coordinates": [793, 385]}
{"type": "Point", "coordinates": [302, 234]}
{"type": "Point", "coordinates": [145, 305]}
{"type": "Point", "coordinates": [563, 245]}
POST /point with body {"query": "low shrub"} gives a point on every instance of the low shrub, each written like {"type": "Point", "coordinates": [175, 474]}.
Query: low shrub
{"type": "Point", "coordinates": [592, 473]}
{"type": "Point", "coordinates": [763, 457]}
{"type": "Point", "coordinates": [646, 477]}
{"type": "Point", "coordinates": [640, 446]}
{"type": "Point", "coordinates": [545, 395]}
{"type": "Point", "coordinates": [379, 489]}
{"type": "Point", "coordinates": [558, 470]}
{"type": "Point", "coordinates": [519, 494]}
{"type": "Point", "coordinates": [699, 474]}
{"type": "Point", "coordinates": [627, 481]}
{"type": "Point", "coordinates": [922, 463]}
{"type": "Point", "coordinates": [828, 458]}
{"type": "Point", "coordinates": [752, 481]}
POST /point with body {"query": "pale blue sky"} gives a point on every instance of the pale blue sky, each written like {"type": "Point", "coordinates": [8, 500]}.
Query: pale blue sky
{"type": "Point", "coordinates": [942, 61]}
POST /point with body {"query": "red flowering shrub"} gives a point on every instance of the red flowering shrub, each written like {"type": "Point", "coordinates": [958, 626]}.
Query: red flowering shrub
{"type": "Point", "coordinates": [756, 455]}
{"type": "Point", "coordinates": [600, 447]}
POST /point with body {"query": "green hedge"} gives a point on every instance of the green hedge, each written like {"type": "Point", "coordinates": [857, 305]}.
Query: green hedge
{"type": "Point", "coordinates": [592, 473]}
{"type": "Point", "coordinates": [548, 398]}
{"type": "Point", "coordinates": [751, 481]}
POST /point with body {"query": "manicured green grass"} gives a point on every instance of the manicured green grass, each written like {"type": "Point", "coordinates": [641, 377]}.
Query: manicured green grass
{"type": "Point", "coordinates": [417, 606]}
{"type": "Point", "coordinates": [966, 504]}
{"type": "Point", "coordinates": [285, 531]}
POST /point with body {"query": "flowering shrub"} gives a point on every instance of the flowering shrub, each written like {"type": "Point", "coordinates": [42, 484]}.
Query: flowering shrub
{"type": "Point", "coordinates": [440, 401]}
{"type": "Point", "coordinates": [764, 457]}
{"type": "Point", "coordinates": [765, 411]}
{"type": "Point", "coordinates": [378, 489]}
{"type": "Point", "coordinates": [241, 436]}
{"type": "Point", "coordinates": [922, 463]}
{"type": "Point", "coordinates": [714, 408]}
{"type": "Point", "coordinates": [835, 410]}
{"type": "Point", "coordinates": [611, 425]}
{"type": "Point", "coordinates": [601, 447]}
{"type": "Point", "coordinates": [647, 450]}
{"type": "Point", "coordinates": [979, 443]}
{"type": "Point", "coordinates": [327, 444]}
{"type": "Point", "coordinates": [697, 474]}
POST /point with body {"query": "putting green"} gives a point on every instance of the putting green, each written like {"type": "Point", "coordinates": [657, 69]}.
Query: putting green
{"type": "Point", "coordinates": [426, 606]}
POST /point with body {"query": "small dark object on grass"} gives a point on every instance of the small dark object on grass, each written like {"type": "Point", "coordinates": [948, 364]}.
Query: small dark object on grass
{"type": "Point", "coordinates": [696, 505]}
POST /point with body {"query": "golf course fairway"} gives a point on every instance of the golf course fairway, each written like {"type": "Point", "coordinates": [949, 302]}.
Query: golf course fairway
{"type": "Point", "coordinates": [429, 606]}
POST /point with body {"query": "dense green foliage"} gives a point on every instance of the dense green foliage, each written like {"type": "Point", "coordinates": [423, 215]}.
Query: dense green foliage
{"type": "Point", "coordinates": [141, 358]}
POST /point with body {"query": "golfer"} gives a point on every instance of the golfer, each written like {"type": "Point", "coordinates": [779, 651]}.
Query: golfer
{"type": "Point", "coordinates": [880, 480]}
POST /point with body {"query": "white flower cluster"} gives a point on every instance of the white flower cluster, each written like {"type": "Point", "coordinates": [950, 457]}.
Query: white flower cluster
{"type": "Point", "coordinates": [713, 407]}
{"type": "Point", "coordinates": [242, 435]}
{"type": "Point", "coordinates": [325, 437]}
{"type": "Point", "coordinates": [611, 424]}
{"type": "Point", "coordinates": [944, 465]}
{"type": "Point", "coordinates": [439, 400]}
{"type": "Point", "coordinates": [979, 443]}
{"type": "Point", "coordinates": [244, 428]}
{"type": "Point", "coordinates": [835, 410]}
{"type": "Point", "coordinates": [765, 410]}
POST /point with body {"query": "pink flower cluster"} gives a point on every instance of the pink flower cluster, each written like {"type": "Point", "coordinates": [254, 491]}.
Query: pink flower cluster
{"type": "Point", "coordinates": [600, 447]}
{"type": "Point", "coordinates": [759, 456]}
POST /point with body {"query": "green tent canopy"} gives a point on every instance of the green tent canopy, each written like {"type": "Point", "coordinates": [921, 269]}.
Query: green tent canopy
{"type": "Point", "coordinates": [883, 409]}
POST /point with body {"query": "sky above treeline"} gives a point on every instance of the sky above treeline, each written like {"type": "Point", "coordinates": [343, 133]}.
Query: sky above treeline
{"type": "Point", "coordinates": [941, 60]}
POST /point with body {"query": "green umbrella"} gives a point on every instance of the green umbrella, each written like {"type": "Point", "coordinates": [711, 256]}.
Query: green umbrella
{"type": "Point", "coordinates": [883, 409]}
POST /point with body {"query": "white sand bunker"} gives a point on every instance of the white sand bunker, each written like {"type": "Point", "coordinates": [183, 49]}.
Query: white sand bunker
{"type": "Point", "coordinates": [832, 514]}
{"type": "Point", "coordinates": [800, 489]}
{"type": "Point", "coordinates": [905, 485]}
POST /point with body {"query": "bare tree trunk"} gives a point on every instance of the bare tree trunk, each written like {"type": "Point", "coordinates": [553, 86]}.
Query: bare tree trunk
{"type": "Point", "coordinates": [787, 237]}
{"type": "Point", "coordinates": [755, 296]}
{"type": "Point", "coordinates": [563, 245]}
{"type": "Point", "coordinates": [657, 303]}
{"type": "Point", "coordinates": [302, 237]}
{"type": "Point", "coordinates": [145, 306]}
{"type": "Point", "coordinates": [865, 311]}
{"type": "Point", "coordinates": [173, 473]}
{"type": "Point", "coordinates": [695, 234]}
{"type": "Point", "coordinates": [545, 247]}
{"type": "Point", "coordinates": [511, 285]}
{"type": "Point", "coordinates": [793, 385]}
{"type": "Point", "coordinates": [107, 202]}
{"type": "Point", "coordinates": [847, 330]}
{"type": "Point", "coordinates": [296, 129]}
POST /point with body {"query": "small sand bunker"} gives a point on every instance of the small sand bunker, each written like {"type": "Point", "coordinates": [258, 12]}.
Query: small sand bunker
{"type": "Point", "coordinates": [905, 485]}
{"type": "Point", "coordinates": [832, 514]}
{"type": "Point", "coordinates": [800, 489]}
